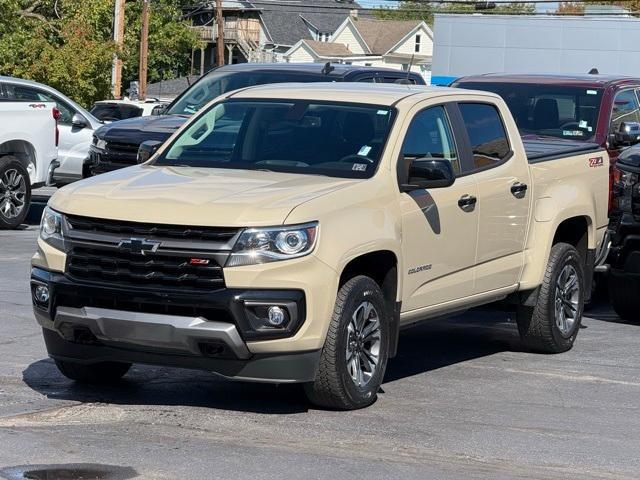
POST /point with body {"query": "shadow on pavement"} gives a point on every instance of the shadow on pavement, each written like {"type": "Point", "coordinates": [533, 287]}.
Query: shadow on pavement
{"type": "Point", "coordinates": [431, 346]}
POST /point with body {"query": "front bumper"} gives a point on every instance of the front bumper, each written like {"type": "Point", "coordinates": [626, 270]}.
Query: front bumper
{"type": "Point", "coordinates": [94, 323]}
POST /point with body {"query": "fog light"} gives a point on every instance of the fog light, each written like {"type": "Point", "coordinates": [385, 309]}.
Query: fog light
{"type": "Point", "coordinates": [277, 316]}
{"type": "Point", "coordinates": [42, 294]}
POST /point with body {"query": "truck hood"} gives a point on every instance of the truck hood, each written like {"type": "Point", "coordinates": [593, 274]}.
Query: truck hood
{"type": "Point", "coordinates": [137, 130]}
{"type": "Point", "coordinates": [193, 196]}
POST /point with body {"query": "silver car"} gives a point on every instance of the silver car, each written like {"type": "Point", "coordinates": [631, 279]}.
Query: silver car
{"type": "Point", "coordinates": [76, 124]}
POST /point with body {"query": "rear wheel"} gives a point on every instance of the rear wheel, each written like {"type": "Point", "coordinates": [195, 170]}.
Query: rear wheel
{"type": "Point", "coordinates": [624, 295]}
{"type": "Point", "coordinates": [95, 373]}
{"type": "Point", "coordinates": [15, 192]}
{"type": "Point", "coordinates": [354, 357]}
{"type": "Point", "coordinates": [553, 324]}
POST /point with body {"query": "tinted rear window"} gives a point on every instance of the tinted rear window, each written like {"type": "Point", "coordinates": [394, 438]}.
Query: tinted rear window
{"type": "Point", "coordinates": [548, 110]}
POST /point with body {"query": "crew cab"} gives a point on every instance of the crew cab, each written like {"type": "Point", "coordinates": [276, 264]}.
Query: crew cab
{"type": "Point", "coordinates": [287, 233]}
{"type": "Point", "coordinates": [583, 109]}
{"type": "Point", "coordinates": [116, 145]}
{"type": "Point", "coordinates": [28, 149]}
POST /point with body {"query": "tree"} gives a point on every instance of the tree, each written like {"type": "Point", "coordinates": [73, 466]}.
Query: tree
{"type": "Point", "coordinates": [68, 44]}
{"type": "Point", "coordinates": [571, 8]}
{"type": "Point", "coordinates": [425, 11]}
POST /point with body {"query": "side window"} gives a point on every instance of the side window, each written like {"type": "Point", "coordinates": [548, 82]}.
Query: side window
{"type": "Point", "coordinates": [625, 109]}
{"type": "Point", "coordinates": [489, 143]}
{"type": "Point", "coordinates": [429, 136]}
{"type": "Point", "coordinates": [19, 93]}
{"type": "Point", "coordinates": [366, 79]}
{"type": "Point", "coordinates": [66, 112]}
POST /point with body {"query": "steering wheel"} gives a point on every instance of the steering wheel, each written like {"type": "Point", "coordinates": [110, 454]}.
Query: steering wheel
{"type": "Point", "coordinates": [353, 158]}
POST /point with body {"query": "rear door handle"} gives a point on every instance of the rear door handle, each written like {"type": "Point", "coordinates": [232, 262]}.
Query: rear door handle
{"type": "Point", "coordinates": [467, 202]}
{"type": "Point", "coordinates": [519, 189]}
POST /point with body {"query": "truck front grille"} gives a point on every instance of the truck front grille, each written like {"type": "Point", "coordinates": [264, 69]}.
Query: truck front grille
{"type": "Point", "coordinates": [153, 270]}
{"type": "Point", "coordinates": [135, 229]}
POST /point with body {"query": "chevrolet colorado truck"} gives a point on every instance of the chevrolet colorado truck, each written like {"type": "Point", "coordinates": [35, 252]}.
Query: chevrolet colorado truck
{"type": "Point", "coordinates": [28, 151]}
{"type": "Point", "coordinates": [286, 233]}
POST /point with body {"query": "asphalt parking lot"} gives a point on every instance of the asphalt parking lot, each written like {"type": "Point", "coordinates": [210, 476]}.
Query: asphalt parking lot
{"type": "Point", "coordinates": [462, 400]}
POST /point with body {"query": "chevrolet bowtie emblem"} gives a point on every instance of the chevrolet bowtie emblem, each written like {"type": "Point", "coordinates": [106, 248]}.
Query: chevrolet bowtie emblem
{"type": "Point", "coordinates": [138, 246]}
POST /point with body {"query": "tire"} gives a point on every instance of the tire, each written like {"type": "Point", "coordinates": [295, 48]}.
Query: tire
{"type": "Point", "coordinates": [95, 373]}
{"type": "Point", "coordinates": [338, 383]}
{"type": "Point", "coordinates": [15, 193]}
{"type": "Point", "coordinates": [623, 295]}
{"type": "Point", "coordinates": [541, 327]}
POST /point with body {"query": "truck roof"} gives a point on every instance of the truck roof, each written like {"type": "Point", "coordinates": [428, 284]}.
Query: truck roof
{"type": "Point", "coordinates": [338, 70]}
{"type": "Point", "coordinates": [578, 80]}
{"type": "Point", "coordinates": [370, 93]}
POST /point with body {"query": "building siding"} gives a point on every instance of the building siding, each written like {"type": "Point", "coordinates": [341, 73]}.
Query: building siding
{"type": "Point", "coordinates": [408, 46]}
{"type": "Point", "coordinates": [348, 36]}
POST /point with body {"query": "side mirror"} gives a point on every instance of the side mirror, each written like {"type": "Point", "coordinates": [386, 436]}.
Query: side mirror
{"type": "Point", "coordinates": [147, 149]}
{"type": "Point", "coordinates": [78, 121]}
{"type": "Point", "coordinates": [429, 173]}
{"type": "Point", "coordinates": [159, 110]}
{"type": "Point", "coordinates": [627, 134]}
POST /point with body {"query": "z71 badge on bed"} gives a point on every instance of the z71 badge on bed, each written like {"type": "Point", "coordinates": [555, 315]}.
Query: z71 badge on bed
{"type": "Point", "coordinates": [596, 162]}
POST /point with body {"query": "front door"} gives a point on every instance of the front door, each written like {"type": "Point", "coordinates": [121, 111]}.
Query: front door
{"type": "Point", "coordinates": [439, 226]}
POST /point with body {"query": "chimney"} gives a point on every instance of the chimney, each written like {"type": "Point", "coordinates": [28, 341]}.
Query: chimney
{"type": "Point", "coordinates": [354, 14]}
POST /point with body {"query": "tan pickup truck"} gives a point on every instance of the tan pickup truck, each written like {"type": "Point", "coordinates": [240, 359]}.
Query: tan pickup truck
{"type": "Point", "coordinates": [287, 233]}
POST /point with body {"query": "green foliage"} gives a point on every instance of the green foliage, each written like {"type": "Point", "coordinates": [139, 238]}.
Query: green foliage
{"type": "Point", "coordinates": [408, 10]}
{"type": "Point", "coordinates": [68, 44]}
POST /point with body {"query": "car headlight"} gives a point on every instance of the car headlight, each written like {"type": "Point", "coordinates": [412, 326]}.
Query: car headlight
{"type": "Point", "coordinates": [51, 228]}
{"type": "Point", "coordinates": [99, 143]}
{"type": "Point", "coordinates": [262, 245]}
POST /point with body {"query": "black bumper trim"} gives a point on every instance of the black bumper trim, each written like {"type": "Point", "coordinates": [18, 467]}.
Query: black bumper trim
{"type": "Point", "coordinates": [298, 367]}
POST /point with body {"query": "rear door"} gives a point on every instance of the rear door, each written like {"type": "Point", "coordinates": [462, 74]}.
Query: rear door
{"type": "Point", "coordinates": [504, 196]}
{"type": "Point", "coordinates": [439, 229]}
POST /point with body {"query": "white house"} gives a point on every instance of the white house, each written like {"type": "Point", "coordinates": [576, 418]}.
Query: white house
{"type": "Point", "coordinates": [389, 43]}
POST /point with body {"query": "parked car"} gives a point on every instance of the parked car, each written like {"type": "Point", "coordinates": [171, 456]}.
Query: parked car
{"type": "Point", "coordinates": [116, 145]}
{"type": "Point", "coordinates": [594, 108]}
{"type": "Point", "coordinates": [624, 259]}
{"type": "Point", "coordinates": [113, 110]}
{"type": "Point", "coordinates": [28, 149]}
{"type": "Point", "coordinates": [288, 232]}
{"type": "Point", "coordinates": [76, 124]}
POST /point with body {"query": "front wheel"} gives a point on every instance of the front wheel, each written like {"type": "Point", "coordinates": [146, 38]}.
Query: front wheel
{"type": "Point", "coordinates": [15, 192]}
{"type": "Point", "coordinates": [94, 373]}
{"type": "Point", "coordinates": [553, 324]}
{"type": "Point", "coordinates": [354, 356]}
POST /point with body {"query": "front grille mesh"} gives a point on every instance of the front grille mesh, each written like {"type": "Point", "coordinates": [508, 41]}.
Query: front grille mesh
{"type": "Point", "coordinates": [154, 270]}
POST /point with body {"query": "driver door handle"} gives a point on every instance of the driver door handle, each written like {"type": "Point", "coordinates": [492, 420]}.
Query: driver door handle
{"type": "Point", "coordinates": [519, 189]}
{"type": "Point", "coordinates": [467, 202]}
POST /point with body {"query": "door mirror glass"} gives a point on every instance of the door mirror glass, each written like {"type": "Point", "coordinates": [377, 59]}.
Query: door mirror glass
{"type": "Point", "coordinates": [147, 149]}
{"type": "Point", "coordinates": [429, 173]}
{"type": "Point", "coordinates": [78, 121]}
{"type": "Point", "coordinates": [627, 134]}
{"type": "Point", "coordinates": [159, 110]}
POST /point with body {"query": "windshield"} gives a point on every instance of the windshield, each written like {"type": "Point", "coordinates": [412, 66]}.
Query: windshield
{"type": "Point", "coordinates": [217, 83]}
{"type": "Point", "coordinates": [322, 138]}
{"type": "Point", "coordinates": [548, 110]}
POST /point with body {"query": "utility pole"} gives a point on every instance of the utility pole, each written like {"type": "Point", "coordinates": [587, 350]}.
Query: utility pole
{"type": "Point", "coordinates": [144, 51]}
{"type": "Point", "coordinates": [118, 39]}
{"type": "Point", "coordinates": [220, 39]}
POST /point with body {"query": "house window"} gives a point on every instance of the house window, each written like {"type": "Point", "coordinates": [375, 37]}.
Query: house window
{"type": "Point", "coordinates": [417, 49]}
{"type": "Point", "coordinates": [405, 67]}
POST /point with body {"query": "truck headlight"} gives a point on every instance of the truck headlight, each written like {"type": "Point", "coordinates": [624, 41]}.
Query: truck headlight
{"type": "Point", "coordinates": [51, 228]}
{"type": "Point", "coordinates": [262, 245]}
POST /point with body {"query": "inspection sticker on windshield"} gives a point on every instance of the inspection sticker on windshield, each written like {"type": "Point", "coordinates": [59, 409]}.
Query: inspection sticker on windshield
{"type": "Point", "coordinates": [382, 112]}
{"type": "Point", "coordinates": [582, 124]}
{"type": "Point", "coordinates": [359, 167]}
{"type": "Point", "coordinates": [592, 92]}
{"type": "Point", "coordinates": [364, 151]}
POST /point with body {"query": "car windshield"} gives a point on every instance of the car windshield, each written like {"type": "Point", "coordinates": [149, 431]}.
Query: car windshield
{"type": "Point", "coordinates": [217, 83]}
{"type": "Point", "coordinates": [322, 138]}
{"type": "Point", "coordinates": [548, 110]}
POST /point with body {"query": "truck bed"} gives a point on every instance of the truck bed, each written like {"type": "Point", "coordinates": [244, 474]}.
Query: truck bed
{"type": "Point", "coordinates": [542, 150]}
